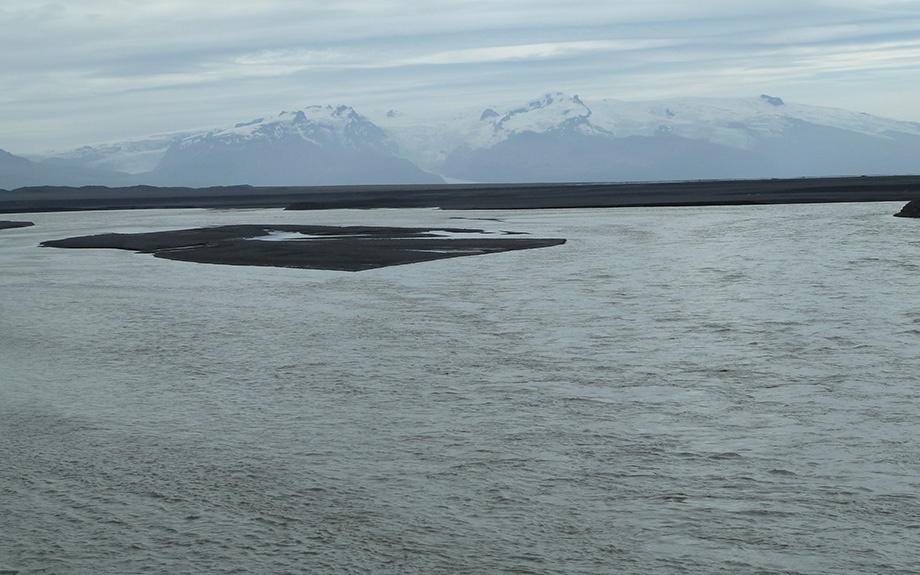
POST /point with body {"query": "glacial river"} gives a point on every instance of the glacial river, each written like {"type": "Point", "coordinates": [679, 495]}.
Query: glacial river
{"type": "Point", "coordinates": [673, 391]}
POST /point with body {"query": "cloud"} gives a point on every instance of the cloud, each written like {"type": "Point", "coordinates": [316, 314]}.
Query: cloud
{"type": "Point", "coordinates": [532, 51]}
{"type": "Point", "coordinates": [92, 64]}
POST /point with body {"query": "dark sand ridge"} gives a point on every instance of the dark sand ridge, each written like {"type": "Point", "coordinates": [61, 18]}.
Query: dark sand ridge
{"type": "Point", "coordinates": [6, 224]}
{"type": "Point", "coordinates": [347, 248]}
{"type": "Point", "coordinates": [910, 210]}
{"type": "Point", "coordinates": [478, 196]}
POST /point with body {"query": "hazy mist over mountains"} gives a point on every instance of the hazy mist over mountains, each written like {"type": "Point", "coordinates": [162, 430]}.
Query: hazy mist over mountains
{"type": "Point", "coordinates": [556, 138]}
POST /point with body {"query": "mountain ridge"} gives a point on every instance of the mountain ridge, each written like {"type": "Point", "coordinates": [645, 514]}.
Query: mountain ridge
{"type": "Point", "coordinates": [556, 137]}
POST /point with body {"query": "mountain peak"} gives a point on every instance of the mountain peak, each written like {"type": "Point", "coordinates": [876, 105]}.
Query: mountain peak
{"type": "Point", "coordinates": [488, 113]}
{"type": "Point", "coordinates": [546, 100]}
{"type": "Point", "coordinates": [551, 99]}
{"type": "Point", "coordinates": [772, 100]}
{"type": "Point", "coordinates": [542, 114]}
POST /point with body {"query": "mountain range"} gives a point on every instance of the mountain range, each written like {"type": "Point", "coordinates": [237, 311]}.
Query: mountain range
{"type": "Point", "coordinates": [555, 138]}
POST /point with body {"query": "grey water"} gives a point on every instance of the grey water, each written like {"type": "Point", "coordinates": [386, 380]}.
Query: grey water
{"type": "Point", "coordinates": [674, 390]}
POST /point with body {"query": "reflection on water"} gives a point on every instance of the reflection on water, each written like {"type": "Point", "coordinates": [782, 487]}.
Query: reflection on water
{"type": "Point", "coordinates": [690, 390]}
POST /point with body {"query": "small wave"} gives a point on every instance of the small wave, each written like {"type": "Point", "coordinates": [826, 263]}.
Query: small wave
{"type": "Point", "coordinates": [725, 455]}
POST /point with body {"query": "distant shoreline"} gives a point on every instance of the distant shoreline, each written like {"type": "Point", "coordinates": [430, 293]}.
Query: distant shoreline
{"type": "Point", "coordinates": [469, 196]}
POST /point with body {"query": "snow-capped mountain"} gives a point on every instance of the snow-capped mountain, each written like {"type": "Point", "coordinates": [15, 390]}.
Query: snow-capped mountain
{"type": "Point", "coordinates": [428, 142]}
{"type": "Point", "coordinates": [563, 138]}
{"type": "Point", "coordinates": [315, 146]}
{"type": "Point", "coordinates": [557, 137]}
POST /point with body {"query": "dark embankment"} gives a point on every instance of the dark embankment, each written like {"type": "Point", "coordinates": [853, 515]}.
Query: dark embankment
{"type": "Point", "coordinates": [478, 196]}
{"type": "Point", "coordinates": [348, 248]}
{"type": "Point", "coordinates": [6, 224]}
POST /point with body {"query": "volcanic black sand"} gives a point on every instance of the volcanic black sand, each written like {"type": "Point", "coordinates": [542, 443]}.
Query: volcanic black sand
{"type": "Point", "coordinates": [348, 248]}
{"type": "Point", "coordinates": [470, 197]}
{"type": "Point", "coordinates": [6, 224]}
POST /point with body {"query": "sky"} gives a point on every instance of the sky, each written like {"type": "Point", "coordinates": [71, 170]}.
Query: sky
{"type": "Point", "coordinates": [87, 71]}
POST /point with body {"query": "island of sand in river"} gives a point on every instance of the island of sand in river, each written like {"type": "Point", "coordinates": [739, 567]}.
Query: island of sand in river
{"type": "Point", "coordinates": [342, 248]}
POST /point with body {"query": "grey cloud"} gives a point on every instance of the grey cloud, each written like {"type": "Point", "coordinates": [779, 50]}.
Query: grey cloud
{"type": "Point", "coordinates": [192, 60]}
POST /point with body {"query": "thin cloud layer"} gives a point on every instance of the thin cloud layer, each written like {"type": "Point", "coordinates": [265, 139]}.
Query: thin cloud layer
{"type": "Point", "coordinates": [91, 70]}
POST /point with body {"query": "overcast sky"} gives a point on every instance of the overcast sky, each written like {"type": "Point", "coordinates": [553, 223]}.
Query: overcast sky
{"type": "Point", "coordinates": [83, 71]}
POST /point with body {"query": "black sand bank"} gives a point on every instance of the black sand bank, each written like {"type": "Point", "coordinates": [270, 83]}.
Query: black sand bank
{"type": "Point", "coordinates": [347, 248]}
{"type": "Point", "coordinates": [6, 224]}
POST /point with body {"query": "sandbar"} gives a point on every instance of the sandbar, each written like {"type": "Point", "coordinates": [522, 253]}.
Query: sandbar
{"type": "Point", "coordinates": [7, 224]}
{"type": "Point", "coordinates": [340, 248]}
